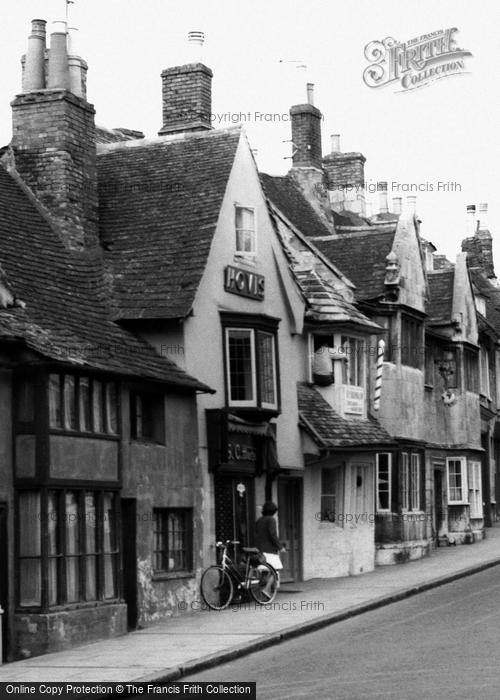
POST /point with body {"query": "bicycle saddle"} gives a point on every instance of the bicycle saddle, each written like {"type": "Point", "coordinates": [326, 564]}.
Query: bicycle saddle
{"type": "Point", "coordinates": [250, 550]}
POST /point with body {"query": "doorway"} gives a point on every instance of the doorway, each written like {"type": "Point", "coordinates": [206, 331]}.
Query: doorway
{"type": "Point", "coordinates": [129, 559]}
{"type": "Point", "coordinates": [290, 526]}
{"type": "Point", "coordinates": [4, 568]}
{"type": "Point", "coordinates": [439, 506]}
{"type": "Point", "coordinates": [234, 510]}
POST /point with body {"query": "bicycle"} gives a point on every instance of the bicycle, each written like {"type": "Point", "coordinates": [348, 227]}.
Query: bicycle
{"type": "Point", "coordinates": [219, 582]}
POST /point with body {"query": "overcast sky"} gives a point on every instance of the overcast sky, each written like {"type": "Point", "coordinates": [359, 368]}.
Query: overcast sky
{"type": "Point", "coordinates": [446, 132]}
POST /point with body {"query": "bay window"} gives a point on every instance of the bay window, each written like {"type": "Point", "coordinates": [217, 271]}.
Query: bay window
{"type": "Point", "coordinates": [411, 341]}
{"type": "Point", "coordinates": [410, 481]}
{"type": "Point", "coordinates": [251, 367]}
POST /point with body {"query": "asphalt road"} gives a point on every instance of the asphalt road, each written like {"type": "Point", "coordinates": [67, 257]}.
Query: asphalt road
{"type": "Point", "coordinates": [437, 645]}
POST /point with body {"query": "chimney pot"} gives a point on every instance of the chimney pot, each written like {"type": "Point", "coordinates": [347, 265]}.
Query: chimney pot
{"type": "Point", "coordinates": [335, 143]}
{"type": "Point", "coordinates": [483, 215]}
{"type": "Point", "coordinates": [310, 93]}
{"type": "Point", "coordinates": [382, 197]}
{"type": "Point", "coordinates": [411, 205]}
{"type": "Point", "coordinates": [397, 205]}
{"type": "Point", "coordinates": [471, 222]}
{"type": "Point", "coordinates": [34, 72]}
{"type": "Point", "coordinates": [58, 58]}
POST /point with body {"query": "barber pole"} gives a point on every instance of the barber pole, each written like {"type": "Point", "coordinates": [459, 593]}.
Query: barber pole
{"type": "Point", "coordinates": [378, 378]}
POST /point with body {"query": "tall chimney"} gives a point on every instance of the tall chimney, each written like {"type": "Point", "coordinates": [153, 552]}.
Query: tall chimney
{"type": "Point", "coordinates": [471, 222]}
{"type": "Point", "coordinates": [58, 77]}
{"type": "Point", "coordinates": [187, 94]}
{"type": "Point", "coordinates": [483, 216]}
{"type": "Point", "coordinates": [397, 205]}
{"type": "Point", "coordinates": [77, 66]}
{"type": "Point", "coordinates": [34, 71]}
{"type": "Point", "coordinates": [306, 133]}
{"type": "Point", "coordinates": [383, 207]}
{"type": "Point", "coordinates": [53, 140]}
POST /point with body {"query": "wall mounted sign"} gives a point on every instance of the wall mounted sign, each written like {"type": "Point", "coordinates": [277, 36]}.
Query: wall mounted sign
{"type": "Point", "coordinates": [244, 283]}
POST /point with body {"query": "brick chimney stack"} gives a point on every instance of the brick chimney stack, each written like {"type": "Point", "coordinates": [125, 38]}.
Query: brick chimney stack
{"type": "Point", "coordinates": [306, 133]}
{"type": "Point", "coordinates": [345, 173]}
{"type": "Point", "coordinates": [479, 244]}
{"type": "Point", "coordinates": [53, 138]}
{"type": "Point", "coordinates": [383, 205]}
{"type": "Point", "coordinates": [187, 93]}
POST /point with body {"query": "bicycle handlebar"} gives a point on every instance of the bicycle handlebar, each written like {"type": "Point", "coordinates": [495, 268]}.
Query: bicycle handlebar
{"type": "Point", "coordinates": [224, 544]}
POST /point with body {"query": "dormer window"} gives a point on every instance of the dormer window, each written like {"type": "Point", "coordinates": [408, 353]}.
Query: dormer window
{"type": "Point", "coordinates": [246, 240]}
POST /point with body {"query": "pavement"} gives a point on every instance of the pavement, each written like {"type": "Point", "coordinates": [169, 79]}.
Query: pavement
{"type": "Point", "coordinates": [196, 638]}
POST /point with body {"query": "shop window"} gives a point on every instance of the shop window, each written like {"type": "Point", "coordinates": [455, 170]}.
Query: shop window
{"type": "Point", "coordinates": [80, 529]}
{"type": "Point", "coordinates": [475, 490]}
{"type": "Point", "coordinates": [456, 480]}
{"type": "Point", "coordinates": [411, 341]}
{"type": "Point", "coordinates": [147, 417]}
{"type": "Point", "coordinates": [82, 404]}
{"type": "Point", "coordinates": [173, 537]}
{"type": "Point", "coordinates": [246, 242]}
{"type": "Point", "coordinates": [251, 368]}
{"type": "Point", "coordinates": [384, 482]}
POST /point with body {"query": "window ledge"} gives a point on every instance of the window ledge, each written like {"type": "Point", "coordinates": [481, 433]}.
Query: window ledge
{"type": "Point", "coordinates": [68, 607]}
{"type": "Point", "coordinates": [142, 441]}
{"type": "Point", "coordinates": [172, 575]}
{"type": "Point", "coordinates": [85, 434]}
{"type": "Point", "coordinates": [429, 387]}
{"type": "Point", "coordinates": [242, 259]}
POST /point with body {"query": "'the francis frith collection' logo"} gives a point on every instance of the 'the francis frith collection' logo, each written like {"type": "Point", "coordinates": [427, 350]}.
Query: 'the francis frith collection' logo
{"type": "Point", "coordinates": [414, 63]}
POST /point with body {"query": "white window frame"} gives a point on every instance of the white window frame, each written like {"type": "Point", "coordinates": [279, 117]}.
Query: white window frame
{"type": "Point", "coordinates": [360, 355]}
{"type": "Point", "coordinates": [415, 481]}
{"type": "Point", "coordinates": [248, 255]}
{"type": "Point", "coordinates": [253, 401]}
{"type": "Point", "coordinates": [463, 463]}
{"type": "Point", "coordinates": [475, 490]}
{"type": "Point", "coordinates": [389, 481]}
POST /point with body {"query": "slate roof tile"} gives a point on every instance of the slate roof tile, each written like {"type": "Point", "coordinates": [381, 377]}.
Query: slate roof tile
{"type": "Point", "coordinates": [159, 205]}
{"type": "Point", "coordinates": [440, 303]}
{"type": "Point", "coordinates": [328, 429]}
{"type": "Point", "coordinates": [66, 314]}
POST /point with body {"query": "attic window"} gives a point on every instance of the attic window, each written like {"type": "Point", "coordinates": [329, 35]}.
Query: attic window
{"type": "Point", "coordinates": [246, 243]}
{"type": "Point", "coordinates": [480, 304]}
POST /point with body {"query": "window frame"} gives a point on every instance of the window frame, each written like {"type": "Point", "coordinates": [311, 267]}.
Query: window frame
{"type": "Point", "coordinates": [484, 371]}
{"type": "Point", "coordinates": [475, 489]}
{"type": "Point", "coordinates": [243, 254]}
{"type": "Point", "coordinates": [410, 354]}
{"type": "Point", "coordinates": [259, 326]}
{"type": "Point", "coordinates": [188, 544]}
{"type": "Point", "coordinates": [463, 486]}
{"type": "Point", "coordinates": [389, 481]}
{"type": "Point", "coordinates": [57, 597]}
{"type": "Point", "coordinates": [59, 404]}
{"type": "Point", "coordinates": [336, 473]}
{"type": "Point", "coordinates": [471, 372]}
{"type": "Point", "coordinates": [152, 403]}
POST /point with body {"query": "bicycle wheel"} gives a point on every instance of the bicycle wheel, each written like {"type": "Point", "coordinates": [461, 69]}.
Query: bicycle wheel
{"type": "Point", "coordinates": [264, 586]}
{"type": "Point", "coordinates": [216, 587]}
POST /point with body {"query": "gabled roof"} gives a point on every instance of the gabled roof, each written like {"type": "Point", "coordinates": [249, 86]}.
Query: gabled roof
{"type": "Point", "coordinates": [159, 206]}
{"type": "Point", "coordinates": [362, 257]}
{"type": "Point", "coordinates": [439, 307]}
{"type": "Point", "coordinates": [329, 430]}
{"type": "Point", "coordinates": [312, 274]}
{"type": "Point", "coordinates": [287, 197]}
{"type": "Point", "coordinates": [60, 309]}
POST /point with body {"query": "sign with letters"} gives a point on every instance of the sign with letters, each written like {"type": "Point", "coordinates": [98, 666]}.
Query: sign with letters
{"type": "Point", "coordinates": [244, 283]}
